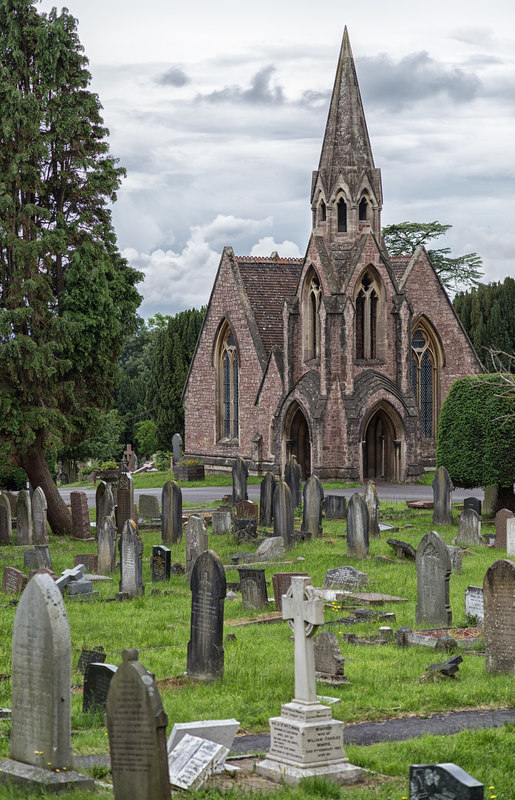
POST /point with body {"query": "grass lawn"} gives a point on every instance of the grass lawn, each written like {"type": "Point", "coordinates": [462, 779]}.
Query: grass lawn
{"type": "Point", "coordinates": [258, 676]}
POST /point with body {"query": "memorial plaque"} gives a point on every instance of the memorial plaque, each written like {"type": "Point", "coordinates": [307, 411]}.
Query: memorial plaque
{"type": "Point", "coordinates": [312, 509]}
{"type": "Point", "coordinates": [335, 506]}
{"type": "Point", "coordinates": [239, 481]}
{"type": "Point", "coordinates": [106, 546]}
{"type": "Point", "coordinates": [97, 680]}
{"type": "Point", "coordinates": [131, 555]}
{"type": "Point", "coordinates": [5, 520]}
{"type": "Point", "coordinates": [499, 622]}
{"type": "Point", "coordinates": [283, 514]}
{"type": "Point", "coordinates": [160, 565]}
{"type": "Point", "coordinates": [281, 581]}
{"type": "Point", "coordinates": [23, 518]}
{"type": "Point", "coordinates": [171, 519]}
{"type": "Point", "coordinates": [266, 498]}
{"type": "Point", "coordinates": [433, 566]}
{"type": "Point", "coordinates": [357, 528]}
{"type": "Point", "coordinates": [39, 519]}
{"type": "Point", "coordinates": [14, 581]}
{"type": "Point", "coordinates": [193, 760]}
{"type": "Point", "coordinates": [253, 587]}
{"type": "Point", "coordinates": [442, 782]}
{"type": "Point", "coordinates": [208, 590]}
{"type": "Point", "coordinates": [80, 515]}
{"type": "Point", "coordinates": [125, 506]}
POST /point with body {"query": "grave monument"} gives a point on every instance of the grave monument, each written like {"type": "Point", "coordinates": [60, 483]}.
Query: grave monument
{"type": "Point", "coordinates": [208, 590]}
{"type": "Point", "coordinates": [433, 565]}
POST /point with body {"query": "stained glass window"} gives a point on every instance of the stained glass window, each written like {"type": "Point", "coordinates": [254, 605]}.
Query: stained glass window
{"type": "Point", "coordinates": [424, 378]}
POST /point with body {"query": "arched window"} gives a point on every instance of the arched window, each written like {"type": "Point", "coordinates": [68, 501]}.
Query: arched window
{"type": "Point", "coordinates": [323, 211]}
{"type": "Point", "coordinates": [363, 209]}
{"type": "Point", "coordinates": [424, 376]}
{"type": "Point", "coordinates": [227, 395]}
{"type": "Point", "coordinates": [366, 317]}
{"type": "Point", "coordinates": [341, 207]}
{"type": "Point", "coordinates": [311, 317]}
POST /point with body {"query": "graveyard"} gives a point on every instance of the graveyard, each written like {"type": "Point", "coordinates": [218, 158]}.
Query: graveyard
{"type": "Point", "coordinates": [408, 642]}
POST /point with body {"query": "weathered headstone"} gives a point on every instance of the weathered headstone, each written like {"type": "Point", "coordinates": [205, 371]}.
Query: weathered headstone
{"type": "Point", "coordinates": [335, 506]}
{"type": "Point", "coordinates": [221, 521]}
{"type": "Point", "coordinates": [80, 515]}
{"type": "Point", "coordinates": [345, 577]}
{"type": "Point", "coordinates": [196, 541]}
{"type": "Point", "coordinates": [357, 528]}
{"type": "Point", "coordinates": [160, 563]}
{"type": "Point", "coordinates": [271, 549]}
{"type": "Point", "coordinates": [293, 478]}
{"type": "Point", "coordinates": [171, 518]}
{"type": "Point", "coordinates": [489, 501]}
{"type": "Point", "coordinates": [89, 560]}
{"type": "Point", "coordinates": [372, 503]}
{"type": "Point", "coordinates": [456, 557]}
{"type": "Point", "coordinates": [442, 492]}
{"type": "Point", "coordinates": [125, 506]}
{"type": "Point", "coordinates": [14, 581]}
{"type": "Point", "coordinates": [246, 509]}
{"type": "Point", "coordinates": [402, 549]}
{"type": "Point", "coordinates": [312, 509]}
{"type": "Point", "coordinates": [90, 657]}
{"type": "Point", "coordinates": [281, 581]}
{"type": "Point", "coordinates": [177, 447]}
{"type": "Point", "coordinates": [501, 522]}
{"type": "Point", "coordinates": [220, 731]}
{"type": "Point", "coordinates": [266, 497]}
{"type": "Point", "coordinates": [106, 546]}
{"type": "Point", "coordinates": [253, 587]}
{"type": "Point", "coordinates": [440, 781]}
{"type": "Point", "coordinates": [239, 480]}
{"type": "Point", "coordinates": [433, 566]}
{"type": "Point", "coordinates": [193, 760]}
{"type": "Point", "coordinates": [5, 520]}
{"type": "Point", "coordinates": [23, 518]}
{"type": "Point", "coordinates": [148, 507]}
{"type": "Point", "coordinates": [131, 556]}
{"type": "Point", "coordinates": [38, 557]}
{"type": "Point", "coordinates": [136, 724]}
{"type": "Point", "coordinates": [104, 503]}
{"type": "Point", "coordinates": [510, 537]}
{"type": "Point", "coordinates": [474, 503]}
{"type": "Point", "coordinates": [474, 604]}
{"type": "Point", "coordinates": [39, 520]}
{"type": "Point", "coordinates": [283, 514]}
{"type": "Point", "coordinates": [329, 662]}
{"type": "Point", "coordinates": [208, 590]}
{"type": "Point", "coordinates": [97, 679]}
{"type": "Point", "coordinates": [469, 528]}
{"type": "Point", "coordinates": [305, 740]}
{"type": "Point", "coordinates": [499, 623]}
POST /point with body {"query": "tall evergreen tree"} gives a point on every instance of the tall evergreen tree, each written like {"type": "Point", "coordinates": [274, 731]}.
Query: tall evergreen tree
{"type": "Point", "coordinates": [488, 315]}
{"type": "Point", "coordinates": [67, 298]}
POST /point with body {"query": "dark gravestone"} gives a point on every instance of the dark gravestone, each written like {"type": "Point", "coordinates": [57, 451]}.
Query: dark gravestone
{"type": "Point", "coordinates": [372, 503]}
{"type": "Point", "coordinates": [329, 662]}
{"type": "Point", "coordinates": [5, 520]}
{"type": "Point", "coordinates": [283, 514]}
{"type": "Point", "coordinates": [402, 549]}
{"type": "Point", "coordinates": [357, 528]}
{"type": "Point", "coordinates": [474, 503]}
{"type": "Point", "coordinates": [39, 520]}
{"type": "Point", "coordinates": [136, 724]}
{"type": "Point", "coordinates": [171, 517]}
{"type": "Point", "coordinates": [80, 515]}
{"type": "Point", "coordinates": [160, 564]}
{"type": "Point", "coordinates": [442, 782]}
{"type": "Point", "coordinates": [89, 560]}
{"type": "Point", "coordinates": [208, 590]}
{"type": "Point", "coordinates": [23, 518]}
{"type": "Point", "coordinates": [104, 503]}
{"type": "Point", "coordinates": [442, 491]}
{"type": "Point", "coordinates": [293, 478]}
{"type": "Point", "coordinates": [501, 526]}
{"type": "Point", "coordinates": [246, 509]}
{"type": "Point", "coordinates": [125, 506]}
{"type": "Point", "coordinates": [469, 528]}
{"type": "Point", "coordinates": [89, 656]}
{"type": "Point", "coordinates": [312, 509]}
{"type": "Point", "coordinates": [239, 481]}
{"type": "Point", "coordinates": [266, 498]}
{"type": "Point", "coordinates": [106, 546]}
{"type": "Point", "coordinates": [97, 679]}
{"type": "Point", "coordinates": [335, 506]}
{"type": "Point", "coordinates": [499, 622]}
{"type": "Point", "coordinates": [253, 587]}
{"type": "Point", "coordinates": [131, 555]}
{"type": "Point", "coordinates": [14, 580]}
{"type": "Point", "coordinates": [177, 447]}
{"type": "Point", "coordinates": [281, 581]}
{"type": "Point", "coordinates": [433, 566]}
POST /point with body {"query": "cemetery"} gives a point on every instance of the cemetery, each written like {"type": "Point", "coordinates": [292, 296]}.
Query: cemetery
{"type": "Point", "coordinates": [190, 626]}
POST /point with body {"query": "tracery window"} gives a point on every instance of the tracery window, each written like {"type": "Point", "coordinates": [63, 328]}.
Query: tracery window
{"type": "Point", "coordinates": [366, 317]}
{"type": "Point", "coordinates": [312, 317]}
{"type": "Point", "coordinates": [424, 377]}
{"type": "Point", "coordinates": [227, 400]}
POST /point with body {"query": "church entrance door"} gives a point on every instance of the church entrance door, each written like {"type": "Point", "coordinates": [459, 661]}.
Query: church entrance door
{"type": "Point", "coordinates": [381, 447]}
{"type": "Point", "coordinates": [298, 442]}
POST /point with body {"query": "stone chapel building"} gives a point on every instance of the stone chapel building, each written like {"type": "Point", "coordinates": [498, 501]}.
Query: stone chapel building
{"type": "Point", "coordinates": [343, 357]}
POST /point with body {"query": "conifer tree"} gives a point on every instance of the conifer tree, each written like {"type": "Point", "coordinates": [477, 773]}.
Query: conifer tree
{"type": "Point", "coordinates": [67, 298]}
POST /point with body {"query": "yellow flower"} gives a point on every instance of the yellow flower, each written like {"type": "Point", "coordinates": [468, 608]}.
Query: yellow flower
{"type": "Point", "coordinates": [58, 770]}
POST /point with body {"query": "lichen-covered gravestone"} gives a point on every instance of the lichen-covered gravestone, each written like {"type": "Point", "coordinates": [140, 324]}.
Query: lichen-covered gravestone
{"type": "Point", "coordinates": [283, 514]}
{"type": "Point", "coordinates": [253, 587]}
{"type": "Point", "coordinates": [266, 498]}
{"type": "Point", "coordinates": [205, 647]}
{"type": "Point", "coordinates": [131, 555]}
{"type": "Point", "coordinates": [293, 477]}
{"type": "Point", "coordinates": [39, 518]}
{"type": "Point", "coordinates": [312, 510]}
{"type": "Point", "coordinates": [171, 516]}
{"type": "Point", "coordinates": [23, 518]}
{"type": "Point", "coordinates": [125, 504]}
{"type": "Point", "coordinates": [104, 503]}
{"type": "Point", "coordinates": [14, 581]}
{"type": "Point", "coordinates": [177, 447]}
{"type": "Point", "coordinates": [136, 724]}
{"type": "Point", "coordinates": [329, 662]}
{"type": "Point", "coordinates": [433, 565]}
{"type": "Point", "coordinates": [196, 541]}
{"type": "Point", "coordinates": [372, 503]}
{"type": "Point", "coordinates": [499, 622]}
{"type": "Point", "coordinates": [335, 506]}
{"type": "Point", "coordinates": [5, 520]}
{"type": "Point", "coordinates": [106, 546]}
{"type": "Point", "coordinates": [239, 481]}
{"type": "Point", "coordinates": [442, 492]}
{"type": "Point", "coordinates": [148, 507]}
{"type": "Point", "coordinates": [357, 528]}
{"type": "Point", "coordinates": [469, 528]}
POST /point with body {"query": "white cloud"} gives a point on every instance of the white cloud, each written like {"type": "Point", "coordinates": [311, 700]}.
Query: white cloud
{"type": "Point", "coordinates": [267, 245]}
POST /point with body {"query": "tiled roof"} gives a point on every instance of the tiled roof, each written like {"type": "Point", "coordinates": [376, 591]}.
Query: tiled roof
{"type": "Point", "coordinates": [399, 265]}
{"type": "Point", "coordinates": [267, 282]}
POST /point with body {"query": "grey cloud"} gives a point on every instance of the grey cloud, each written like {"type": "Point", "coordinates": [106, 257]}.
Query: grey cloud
{"type": "Point", "coordinates": [260, 92]}
{"type": "Point", "coordinates": [174, 76]}
{"type": "Point", "coordinates": [315, 100]}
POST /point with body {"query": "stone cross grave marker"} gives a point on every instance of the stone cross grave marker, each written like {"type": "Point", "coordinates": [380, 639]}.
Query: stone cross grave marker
{"type": "Point", "coordinates": [312, 509]}
{"type": "Point", "coordinates": [97, 680]}
{"type": "Point", "coordinates": [125, 507]}
{"type": "Point", "coordinates": [106, 546]}
{"type": "Point", "coordinates": [442, 492]}
{"type": "Point", "coordinates": [239, 481]}
{"type": "Point", "coordinates": [177, 447]}
{"type": "Point", "coordinates": [433, 565]}
{"type": "Point", "coordinates": [129, 457]}
{"type": "Point", "coordinates": [131, 555]}
{"type": "Point", "coordinates": [335, 506]}
{"type": "Point", "coordinates": [372, 503]}
{"type": "Point", "coordinates": [357, 528]}
{"type": "Point", "coordinates": [23, 518]}
{"type": "Point", "coordinates": [136, 724]}
{"type": "Point", "coordinates": [293, 478]}
{"type": "Point", "coordinates": [171, 517]}
{"type": "Point", "coordinates": [253, 587]}
{"type": "Point", "coordinates": [266, 497]}
{"type": "Point", "coordinates": [499, 622]}
{"type": "Point", "coordinates": [104, 503]}
{"type": "Point", "coordinates": [469, 528]}
{"type": "Point", "coordinates": [160, 564]}
{"type": "Point", "coordinates": [196, 541]}
{"type": "Point", "coordinates": [283, 514]}
{"type": "Point", "coordinates": [305, 612]}
{"type": "Point", "coordinates": [148, 507]}
{"type": "Point", "coordinates": [440, 781]}
{"type": "Point", "coordinates": [5, 520]}
{"type": "Point", "coordinates": [501, 522]}
{"type": "Point", "coordinates": [39, 520]}
{"type": "Point", "coordinates": [208, 589]}
{"type": "Point", "coordinates": [80, 515]}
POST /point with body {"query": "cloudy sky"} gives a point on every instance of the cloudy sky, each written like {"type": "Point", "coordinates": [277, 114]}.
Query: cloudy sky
{"type": "Point", "coordinates": [217, 111]}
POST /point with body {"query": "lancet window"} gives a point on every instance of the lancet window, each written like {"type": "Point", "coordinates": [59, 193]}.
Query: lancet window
{"type": "Point", "coordinates": [424, 376]}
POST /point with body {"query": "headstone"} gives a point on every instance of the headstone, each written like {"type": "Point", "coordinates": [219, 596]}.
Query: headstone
{"type": "Point", "coordinates": [205, 647]}
{"type": "Point", "coordinates": [89, 560]}
{"type": "Point", "coordinates": [5, 520]}
{"type": "Point", "coordinates": [499, 623]}
{"type": "Point", "coordinates": [43, 559]}
{"type": "Point", "coordinates": [271, 549]}
{"type": "Point", "coordinates": [490, 494]}
{"type": "Point", "coordinates": [456, 557]}
{"type": "Point", "coordinates": [439, 781]}
{"type": "Point", "coordinates": [266, 497]}
{"type": "Point", "coordinates": [442, 492]}
{"type": "Point", "coordinates": [171, 518]}
{"type": "Point", "coordinates": [510, 537]}
{"type": "Point", "coordinates": [335, 506]}
{"type": "Point", "coordinates": [14, 581]}
{"type": "Point", "coordinates": [239, 480]}
{"type": "Point", "coordinates": [104, 503]}
{"type": "Point", "coordinates": [357, 528]}
{"type": "Point", "coordinates": [283, 514]}
{"type": "Point", "coordinates": [136, 724]}
{"type": "Point", "coordinates": [97, 679]}
{"type": "Point", "coordinates": [220, 731]}
{"type": "Point", "coordinates": [469, 528]}
{"type": "Point", "coordinates": [160, 564]}
{"type": "Point", "coordinates": [196, 541]}
{"type": "Point", "coordinates": [221, 522]}
{"type": "Point", "coordinates": [131, 556]}
{"type": "Point", "coordinates": [293, 478]}
{"type": "Point", "coordinates": [39, 520]}
{"type": "Point", "coordinates": [148, 506]}
{"type": "Point", "coordinates": [125, 506]}
{"type": "Point", "coordinates": [372, 503]}
{"type": "Point", "coordinates": [246, 509]}
{"type": "Point", "coordinates": [474, 503]}
{"type": "Point", "coordinates": [193, 760]}
{"type": "Point", "coordinates": [312, 509]}
{"type": "Point", "coordinates": [433, 566]}
{"type": "Point", "coordinates": [501, 522]}
{"type": "Point", "coordinates": [402, 549]}
{"type": "Point", "coordinates": [106, 546]}
{"type": "Point", "coordinates": [253, 587]}
{"type": "Point", "coordinates": [329, 662]}
{"type": "Point", "coordinates": [474, 605]}
{"type": "Point", "coordinates": [23, 518]}
{"type": "Point", "coordinates": [80, 515]}
{"type": "Point", "coordinates": [305, 740]}
{"type": "Point", "coordinates": [177, 447]}
{"type": "Point", "coordinates": [90, 657]}
{"type": "Point", "coordinates": [281, 581]}
{"type": "Point", "coordinates": [348, 578]}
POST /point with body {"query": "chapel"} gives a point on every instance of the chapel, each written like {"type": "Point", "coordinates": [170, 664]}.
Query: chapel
{"type": "Point", "coordinates": [342, 358]}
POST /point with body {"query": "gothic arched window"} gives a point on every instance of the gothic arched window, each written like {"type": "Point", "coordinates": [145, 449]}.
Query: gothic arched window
{"type": "Point", "coordinates": [311, 317]}
{"type": "Point", "coordinates": [323, 211]}
{"type": "Point", "coordinates": [227, 394]}
{"type": "Point", "coordinates": [424, 376]}
{"type": "Point", "coordinates": [363, 209]}
{"type": "Point", "coordinates": [366, 317]}
{"type": "Point", "coordinates": [341, 208]}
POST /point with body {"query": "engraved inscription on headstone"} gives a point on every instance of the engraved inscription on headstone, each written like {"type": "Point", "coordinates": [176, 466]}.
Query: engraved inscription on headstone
{"type": "Point", "coordinates": [106, 546]}
{"type": "Point", "coordinates": [469, 528]}
{"type": "Point", "coordinates": [283, 514]}
{"type": "Point", "coordinates": [131, 554]}
{"type": "Point", "coordinates": [474, 604]}
{"type": "Point", "coordinates": [97, 679]}
{"type": "Point", "coordinates": [208, 590]}
{"type": "Point", "coordinates": [312, 510]}
{"type": "Point", "coordinates": [39, 520]}
{"type": "Point", "coordinates": [442, 782]}
{"type": "Point", "coordinates": [335, 506]}
{"type": "Point", "coordinates": [196, 541]}
{"type": "Point", "coordinates": [357, 528]}
{"type": "Point", "coordinates": [23, 518]}
{"type": "Point", "coordinates": [499, 623]}
{"type": "Point", "coordinates": [14, 581]}
{"type": "Point", "coordinates": [160, 564]}
{"type": "Point", "coordinates": [433, 566]}
{"type": "Point", "coordinates": [253, 587]}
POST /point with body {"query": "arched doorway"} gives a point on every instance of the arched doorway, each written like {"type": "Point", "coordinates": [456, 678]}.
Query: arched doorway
{"type": "Point", "coordinates": [298, 443]}
{"type": "Point", "coordinates": [381, 445]}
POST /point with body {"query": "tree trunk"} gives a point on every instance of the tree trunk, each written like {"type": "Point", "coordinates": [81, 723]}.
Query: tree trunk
{"type": "Point", "coordinates": [505, 498]}
{"type": "Point", "coordinates": [35, 466]}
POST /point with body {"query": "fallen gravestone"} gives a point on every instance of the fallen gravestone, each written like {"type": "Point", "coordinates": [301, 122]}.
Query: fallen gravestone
{"type": "Point", "coordinates": [402, 549]}
{"type": "Point", "coordinates": [499, 621]}
{"type": "Point", "coordinates": [433, 566]}
{"type": "Point", "coordinates": [193, 760]}
{"type": "Point", "coordinates": [271, 549]}
{"type": "Point", "coordinates": [220, 731]}
{"type": "Point", "coordinates": [449, 668]}
{"type": "Point", "coordinates": [14, 581]}
{"type": "Point", "coordinates": [205, 660]}
{"type": "Point", "coordinates": [345, 578]}
{"type": "Point", "coordinates": [97, 679]}
{"type": "Point", "coordinates": [329, 662]}
{"type": "Point", "coordinates": [442, 781]}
